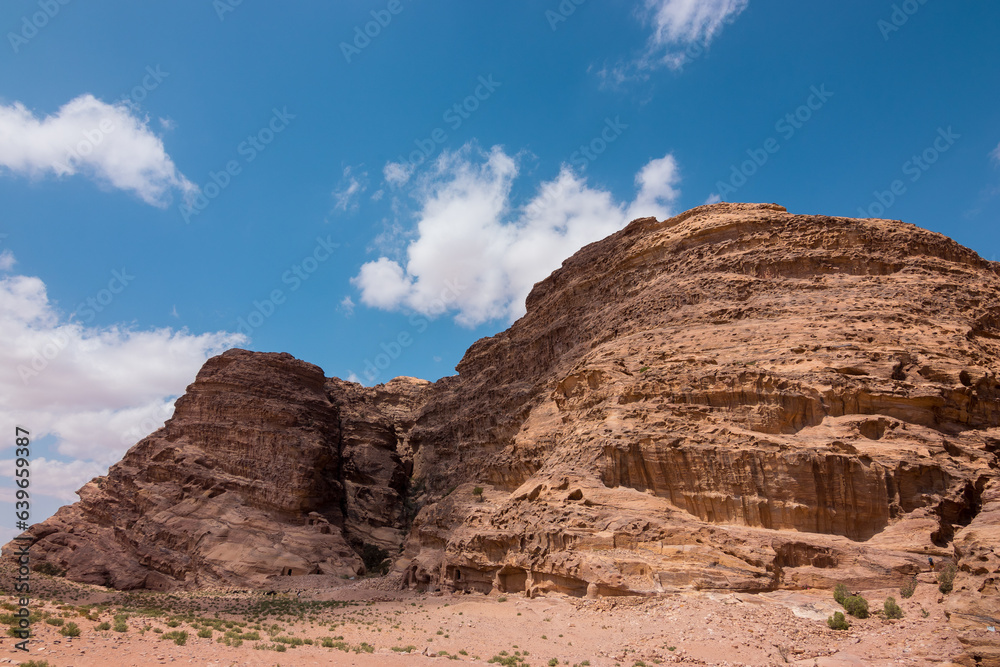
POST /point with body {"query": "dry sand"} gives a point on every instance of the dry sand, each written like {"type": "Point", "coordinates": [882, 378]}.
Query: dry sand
{"type": "Point", "coordinates": [703, 628]}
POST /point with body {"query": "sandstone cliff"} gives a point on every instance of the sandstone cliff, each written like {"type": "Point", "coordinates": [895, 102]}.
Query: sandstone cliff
{"type": "Point", "coordinates": [736, 398]}
{"type": "Point", "coordinates": [266, 468]}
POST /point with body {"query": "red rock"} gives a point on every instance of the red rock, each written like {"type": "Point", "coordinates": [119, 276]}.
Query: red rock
{"type": "Point", "coordinates": [736, 398]}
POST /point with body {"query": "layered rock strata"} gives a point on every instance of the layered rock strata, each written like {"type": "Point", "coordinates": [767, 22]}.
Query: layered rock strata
{"type": "Point", "coordinates": [735, 398]}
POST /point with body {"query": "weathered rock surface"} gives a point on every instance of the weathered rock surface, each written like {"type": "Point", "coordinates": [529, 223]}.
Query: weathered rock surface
{"type": "Point", "coordinates": [266, 468]}
{"type": "Point", "coordinates": [736, 398]}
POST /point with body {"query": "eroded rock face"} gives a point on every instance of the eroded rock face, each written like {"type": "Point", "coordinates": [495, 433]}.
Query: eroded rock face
{"type": "Point", "coordinates": [735, 398]}
{"type": "Point", "coordinates": [255, 475]}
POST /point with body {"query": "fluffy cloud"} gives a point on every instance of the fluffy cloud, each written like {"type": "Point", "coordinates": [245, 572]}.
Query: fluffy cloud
{"type": "Point", "coordinates": [996, 153]}
{"type": "Point", "coordinates": [89, 392]}
{"type": "Point", "coordinates": [475, 255]}
{"type": "Point", "coordinates": [56, 479]}
{"type": "Point", "coordinates": [105, 142]}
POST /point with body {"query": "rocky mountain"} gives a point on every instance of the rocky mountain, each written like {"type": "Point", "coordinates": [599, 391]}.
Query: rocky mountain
{"type": "Point", "coordinates": [735, 398]}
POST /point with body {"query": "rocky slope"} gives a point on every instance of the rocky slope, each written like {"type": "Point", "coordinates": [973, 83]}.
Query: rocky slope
{"type": "Point", "coordinates": [735, 398]}
{"type": "Point", "coordinates": [266, 468]}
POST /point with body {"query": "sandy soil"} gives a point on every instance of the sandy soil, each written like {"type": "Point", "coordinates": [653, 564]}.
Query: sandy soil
{"type": "Point", "coordinates": [706, 628]}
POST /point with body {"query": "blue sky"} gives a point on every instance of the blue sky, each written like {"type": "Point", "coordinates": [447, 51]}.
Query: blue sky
{"type": "Point", "coordinates": [178, 178]}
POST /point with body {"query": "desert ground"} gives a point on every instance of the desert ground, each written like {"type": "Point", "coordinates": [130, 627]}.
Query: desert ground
{"type": "Point", "coordinates": [316, 620]}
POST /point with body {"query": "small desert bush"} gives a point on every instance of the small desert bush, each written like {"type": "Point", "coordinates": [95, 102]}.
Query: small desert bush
{"type": "Point", "coordinates": [909, 588]}
{"type": "Point", "coordinates": [841, 593]}
{"type": "Point", "coordinates": [55, 621]}
{"type": "Point", "coordinates": [49, 569]}
{"type": "Point", "coordinates": [205, 633]}
{"type": "Point", "coordinates": [891, 609]}
{"type": "Point", "coordinates": [946, 578]}
{"type": "Point", "coordinates": [103, 626]}
{"type": "Point", "coordinates": [70, 630]}
{"type": "Point", "coordinates": [837, 621]}
{"type": "Point", "coordinates": [856, 606]}
{"type": "Point", "coordinates": [180, 637]}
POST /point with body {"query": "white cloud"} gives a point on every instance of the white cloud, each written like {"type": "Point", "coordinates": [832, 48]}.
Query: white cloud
{"type": "Point", "coordinates": [7, 260]}
{"type": "Point", "coordinates": [682, 30]}
{"type": "Point", "coordinates": [397, 173]}
{"type": "Point", "coordinates": [105, 142]}
{"type": "Point", "coordinates": [94, 391]}
{"type": "Point", "coordinates": [476, 256]}
{"type": "Point", "coordinates": [351, 186]}
{"type": "Point", "coordinates": [657, 191]}
{"type": "Point", "coordinates": [679, 23]}
{"type": "Point", "coordinates": [56, 479]}
{"type": "Point", "coordinates": [347, 305]}
{"type": "Point", "coordinates": [996, 153]}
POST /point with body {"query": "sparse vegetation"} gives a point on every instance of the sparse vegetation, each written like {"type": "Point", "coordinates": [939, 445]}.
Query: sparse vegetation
{"type": "Point", "coordinates": [909, 588]}
{"type": "Point", "coordinates": [891, 609]}
{"type": "Point", "coordinates": [841, 593]}
{"type": "Point", "coordinates": [49, 569]}
{"type": "Point", "coordinates": [70, 630]}
{"type": "Point", "coordinates": [946, 578]}
{"type": "Point", "coordinates": [837, 621]}
{"type": "Point", "coordinates": [180, 637]}
{"type": "Point", "coordinates": [856, 606]}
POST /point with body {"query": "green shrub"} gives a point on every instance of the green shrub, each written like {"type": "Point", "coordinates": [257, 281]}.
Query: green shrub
{"type": "Point", "coordinates": [946, 578]}
{"type": "Point", "coordinates": [120, 625]}
{"type": "Point", "coordinates": [180, 637]}
{"type": "Point", "coordinates": [70, 630]}
{"type": "Point", "coordinates": [856, 606]}
{"type": "Point", "coordinates": [205, 633]}
{"type": "Point", "coordinates": [837, 621]}
{"type": "Point", "coordinates": [103, 626]}
{"type": "Point", "coordinates": [55, 621]}
{"type": "Point", "coordinates": [49, 569]}
{"type": "Point", "coordinates": [841, 593]}
{"type": "Point", "coordinates": [908, 588]}
{"type": "Point", "coordinates": [891, 609]}
{"type": "Point", "coordinates": [35, 663]}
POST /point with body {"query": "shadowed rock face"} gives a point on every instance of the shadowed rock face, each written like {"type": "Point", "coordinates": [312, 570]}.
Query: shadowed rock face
{"type": "Point", "coordinates": [266, 468]}
{"type": "Point", "coordinates": [735, 398]}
